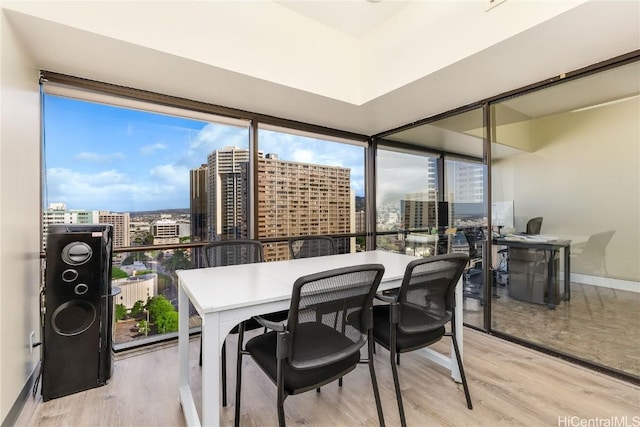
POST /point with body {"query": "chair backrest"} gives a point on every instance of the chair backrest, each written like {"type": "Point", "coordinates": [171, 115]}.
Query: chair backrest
{"type": "Point", "coordinates": [534, 225]}
{"type": "Point", "coordinates": [232, 252]}
{"type": "Point", "coordinates": [426, 298]}
{"type": "Point", "coordinates": [311, 246]}
{"type": "Point", "coordinates": [330, 314]}
{"type": "Point", "coordinates": [593, 255]}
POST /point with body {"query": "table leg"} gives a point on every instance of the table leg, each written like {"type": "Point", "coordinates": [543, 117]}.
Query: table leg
{"type": "Point", "coordinates": [567, 272]}
{"type": "Point", "coordinates": [184, 389]}
{"type": "Point", "coordinates": [551, 271]}
{"type": "Point", "coordinates": [211, 365]}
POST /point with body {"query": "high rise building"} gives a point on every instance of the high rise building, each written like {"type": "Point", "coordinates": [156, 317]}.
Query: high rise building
{"type": "Point", "coordinates": [57, 213]}
{"type": "Point", "coordinates": [225, 218]}
{"type": "Point", "coordinates": [297, 199]}
{"type": "Point", "coordinates": [165, 232]}
{"type": "Point", "coordinates": [198, 203]}
{"type": "Point", "coordinates": [120, 222]}
{"type": "Point", "coordinates": [468, 182]}
{"type": "Point", "coordinates": [419, 210]}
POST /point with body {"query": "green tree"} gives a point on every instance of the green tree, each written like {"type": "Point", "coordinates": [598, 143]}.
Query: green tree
{"type": "Point", "coordinates": [179, 261]}
{"type": "Point", "coordinates": [167, 322]}
{"type": "Point", "coordinates": [158, 305]}
{"type": "Point", "coordinates": [117, 273]}
{"type": "Point", "coordinates": [121, 311]}
{"type": "Point", "coordinates": [148, 239]}
{"type": "Point", "coordinates": [137, 308]}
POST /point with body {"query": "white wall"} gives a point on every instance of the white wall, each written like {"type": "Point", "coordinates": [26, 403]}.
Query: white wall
{"type": "Point", "coordinates": [19, 216]}
{"type": "Point", "coordinates": [583, 178]}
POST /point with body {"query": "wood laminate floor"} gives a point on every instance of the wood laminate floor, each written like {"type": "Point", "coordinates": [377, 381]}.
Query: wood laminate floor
{"type": "Point", "coordinates": [598, 324]}
{"type": "Point", "coordinates": [510, 386]}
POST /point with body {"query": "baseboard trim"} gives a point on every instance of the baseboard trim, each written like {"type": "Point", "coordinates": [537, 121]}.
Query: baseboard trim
{"type": "Point", "coordinates": [606, 282]}
{"type": "Point", "coordinates": [18, 405]}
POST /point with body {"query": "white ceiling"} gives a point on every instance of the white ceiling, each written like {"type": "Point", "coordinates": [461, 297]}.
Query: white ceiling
{"type": "Point", "coordinates": [354, 18]}
{"type": "Point", "coordinates": [585, 34]}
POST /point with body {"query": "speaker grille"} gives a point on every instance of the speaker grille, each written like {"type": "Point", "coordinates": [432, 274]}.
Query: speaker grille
{"type": "Point", "coordinates": [73, 318]}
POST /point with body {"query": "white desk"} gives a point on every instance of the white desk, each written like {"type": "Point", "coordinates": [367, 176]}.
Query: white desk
{"type": "Point", "coordinates": [225, 296]}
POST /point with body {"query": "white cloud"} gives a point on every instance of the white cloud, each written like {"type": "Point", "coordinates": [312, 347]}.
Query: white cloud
{"type": "Point", "coordinates": [147, 150]}
{"type": "Point", "coordinates": [215, 136]}
{"type": "Point", "coordinates": [116, 191]}
{"type": "Point", "coordinates": [171, 175]}
{"type": "Point", "coordinates": [98, 158]}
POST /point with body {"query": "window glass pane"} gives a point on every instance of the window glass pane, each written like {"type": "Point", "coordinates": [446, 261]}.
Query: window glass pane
{"type": "Point", "coordinates": [406, 202]}
{"type": "Point", "coordinates": [147, 174]}
{"type": "Point", "coordinates": [308, 186]}
{"type": "Point", "coordinates": [569, 154]}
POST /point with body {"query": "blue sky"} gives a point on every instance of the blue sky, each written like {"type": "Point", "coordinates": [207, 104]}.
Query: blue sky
{"type": "Point", "coordinates": [99, 157]}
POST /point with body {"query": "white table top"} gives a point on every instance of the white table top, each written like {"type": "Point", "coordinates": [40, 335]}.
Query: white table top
{"type": "Point", "coordinates": [273, 281]}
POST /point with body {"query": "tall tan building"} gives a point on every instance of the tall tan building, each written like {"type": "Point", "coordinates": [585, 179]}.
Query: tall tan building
{"type": "Point", "coordinates": [120, 222]}
{"type": "Point", "coordinates": [225, 213]}
{"type": "Point", "coordinates": [297, 199]}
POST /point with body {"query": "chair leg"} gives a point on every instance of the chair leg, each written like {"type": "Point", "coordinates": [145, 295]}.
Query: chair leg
{"type": "Point", "coordinates": [396, 380]}
{"type": "Point", "coordinates": [200, 363]}
{"type": "Point", "coordinates": [461, 368]}
{"type": "Point", "coordinates": [397, 358]}
{"type": "Point", "coordinates": [374, 382]}
{"type": "Point", "coordinates": [224, 373]}
{"type": "Point", "coordinates": [239, 373]}
{"type": "Point", "coordinates": [280, 393]}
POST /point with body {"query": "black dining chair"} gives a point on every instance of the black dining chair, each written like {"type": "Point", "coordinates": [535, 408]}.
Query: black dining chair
{"type": "Point", "coordinates": [316, 348]}
{"type": "Point", "coordinates": [235, 252]}
{"type": "Point", "coordinates": [311, 246]}
{"type": "Point", "coordinates": [416, 317]}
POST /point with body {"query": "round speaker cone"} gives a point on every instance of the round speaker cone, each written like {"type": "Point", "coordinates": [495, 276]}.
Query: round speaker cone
{"type": "Point", "coordinates": [76, 253]}
{"type": "Point", "coordinates": [69, 275]}
{"type": "Point", "coordinates": [73, 317]}
{"type": "Point", "coordinates": [81, 289]}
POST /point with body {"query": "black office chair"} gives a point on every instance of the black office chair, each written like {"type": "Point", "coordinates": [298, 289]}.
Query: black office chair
{"type": "Point", "coordinates": [534, 225]}
{"type": "Point", "coordinates": [311, 246]}
{"type": "Point", "coordinates": [235, 252]}
{"type": "Point", "coordinates": [417, 316]}
{"type": "Point", "coordinates": [316, 348]}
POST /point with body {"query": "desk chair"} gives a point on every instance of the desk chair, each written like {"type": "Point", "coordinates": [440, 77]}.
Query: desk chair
{"type": "Point", "coordinates": [311, 246]}
{"type": "Point", "coordinates": [591, 257]}
{"type": "Point", "coordinates": [314, 348]}
{"type": "Point", "coordinates": [417, 316]}
{"type": "Point", "coordinates": [534, 225]}
{"type": "Point", "coordinates": [235, 252]}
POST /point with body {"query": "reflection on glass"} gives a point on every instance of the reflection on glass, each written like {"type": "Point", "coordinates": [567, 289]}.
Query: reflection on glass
{"type": "Point", "coordinates": [570, 154]}
{"type": "Point", "coordinates": [407, 202]}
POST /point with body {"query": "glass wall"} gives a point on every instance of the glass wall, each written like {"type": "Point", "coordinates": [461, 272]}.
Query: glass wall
{"type": "Point", "coordinates": [407, 201]}
{"type": "Point", "coordinates": [431, 204]}
{"type": "Point", "coordinates": [569, 154]}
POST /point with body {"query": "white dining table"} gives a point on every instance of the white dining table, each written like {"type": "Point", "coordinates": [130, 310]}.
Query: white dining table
{"type": "Point", "coordinates": [225, 296]}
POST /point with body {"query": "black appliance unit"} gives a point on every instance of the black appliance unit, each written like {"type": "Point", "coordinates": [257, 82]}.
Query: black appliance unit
{"type": "Point", "coordinates": [78, 322]}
